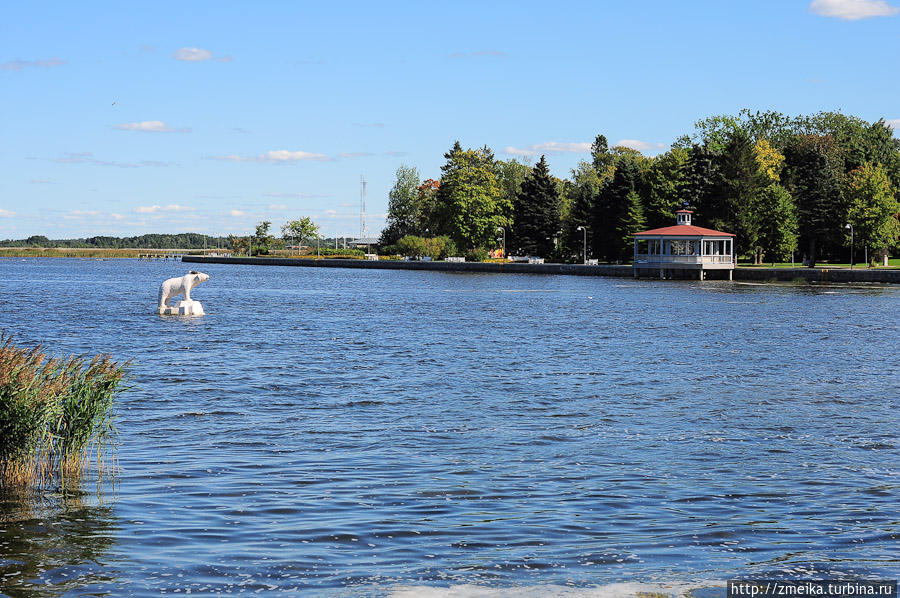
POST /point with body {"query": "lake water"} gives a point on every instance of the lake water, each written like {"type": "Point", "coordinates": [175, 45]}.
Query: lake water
{"type": "Point", "coordinates": [386, 432]}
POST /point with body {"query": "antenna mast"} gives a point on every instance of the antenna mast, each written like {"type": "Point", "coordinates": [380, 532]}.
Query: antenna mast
{"type": "Point", "coordinates": [363, 230]}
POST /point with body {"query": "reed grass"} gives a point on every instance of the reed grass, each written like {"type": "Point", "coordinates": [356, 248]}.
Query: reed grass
{"type": "Point", "coordinates": [55, 414]}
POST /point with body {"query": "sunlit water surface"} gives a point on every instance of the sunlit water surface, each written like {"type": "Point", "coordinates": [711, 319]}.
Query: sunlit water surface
{"type": "Point", "coordinates": [380, 432]}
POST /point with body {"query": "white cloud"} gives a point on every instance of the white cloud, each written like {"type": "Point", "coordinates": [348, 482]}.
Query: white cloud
{"type": "Point", "coordinates": [853, 10]}
{"type": "Point", "coordinates": [277, 206]}
{"type": "Point", "coordinates": [172, 207]}
{"type": "Point", "coordinates": [277, 157]}
{"type": "Point", "coordinates": [81, 214]}
{"type": "Point", "coordinates": [150, 126]}
{"type": "Point", "coordinates": [6, 213]}
{"type": "Point", "coordinates": [237, 213]}
{"type": "Point", "coordinates": [355, 154]}
{"type": "Point", "coordinates": [894, 123]}
{"type": "Point", "coordinates": [641, 146]}
{"type": "Point", "coordinates": [192, 54]}
{"type": "Point", "coordinates": [88, 158]}
{"type": "Point", "coordinates": [18, 65]}
{"type": "Point", "coordinates": [549, 147]}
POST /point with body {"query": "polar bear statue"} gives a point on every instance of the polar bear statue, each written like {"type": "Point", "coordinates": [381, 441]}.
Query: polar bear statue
{"type": "Point", "coordinates": [181, 285]}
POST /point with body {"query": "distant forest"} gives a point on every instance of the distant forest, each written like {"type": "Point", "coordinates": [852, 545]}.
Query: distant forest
{"type": "Point", "coordinates": [155, 241]}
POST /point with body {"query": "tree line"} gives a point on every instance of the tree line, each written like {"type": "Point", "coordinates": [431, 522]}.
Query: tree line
{"type": "Point", "coordinates": [150, 241]}
{"type": "Point", "coordinates": [782, 184]}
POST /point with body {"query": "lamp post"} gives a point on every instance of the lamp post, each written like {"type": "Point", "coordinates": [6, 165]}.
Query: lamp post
{"type": "Point", "coordinates": [250, 245]}
{"type": "Point", "coordinates": [584, 230]}
{"type": "Point", "coordinates": [850, 227]}
{"type": "Point", "coordinates": [502, 230]}
{"type": "Point", "coordinates": [317, 245]}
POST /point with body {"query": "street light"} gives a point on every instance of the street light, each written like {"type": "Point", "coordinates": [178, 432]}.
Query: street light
{"type": "Point", "coordinates": [583, 229]}
{"type": "Point", "coordinates": [500, 229]}
{"type": "Point", "coordinates": [850, 227]}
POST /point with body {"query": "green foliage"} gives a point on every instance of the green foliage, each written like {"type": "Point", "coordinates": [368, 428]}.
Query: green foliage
{"type": "Point", "coordinates": [666, 184]}
{"type": "Point", "coordinates": [262, 239]}
{"type": "Point", "coordinates": [331, 251]}
{"type": "Point", "coordinates": [54, 414]}
{"type": "Point", "coordinates": [632, 222]}
{"type": "Point", "coordinates": [299, 230]}
{"type": "Point", "coordinates": [151, 241]}
{"type": "Point", "coordinates": [742, 181]}
{"type": "Point", "coordinates": [440, 248]}
{"type": "Point", "coordinates": [777, 224]}
{"type": "Point", "coordinates": [411, 246]}
{"type": "Point", "coordinates": [239, 244]}
{"type": "Point", "coordinates": [872, 208]}
{"type": "Point", "coordinates": [583, 193]}
{"type": "Point", "coordinates": [615, 212]}
{"type": "Point", "coordinates": [603, 160]}
{"type": "Point", "coordinates": [437, 248]}
{"type": "Point", "coordinates": [477, 254]}
{"type": "Point", "coordinates": [537, 213]}
{"type": "Point", "coordinates": [470, 204]}
{"type": "Point", "coordinates": [814, 174]}
{"type": "Point", "coordinates": [406, 213]}
{"type": "Point", "coordinates": [510, 176]}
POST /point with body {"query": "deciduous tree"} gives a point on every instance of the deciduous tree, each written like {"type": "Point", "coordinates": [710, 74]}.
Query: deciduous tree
{"type": "Point", "coordinates": [470, 204]}
{"type": "Point", "coordinates": [872, 208]}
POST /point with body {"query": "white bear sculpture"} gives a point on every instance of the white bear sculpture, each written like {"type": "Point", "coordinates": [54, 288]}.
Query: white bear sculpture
{"type": "Point", "coordinates": [181, 285]}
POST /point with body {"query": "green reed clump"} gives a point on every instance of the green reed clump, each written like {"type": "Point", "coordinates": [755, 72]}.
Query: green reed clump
{"type": "Point", "coordinates": [54, 413]}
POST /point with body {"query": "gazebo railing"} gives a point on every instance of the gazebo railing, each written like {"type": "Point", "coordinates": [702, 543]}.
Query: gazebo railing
{"type": "Point", "coordinates": [650, 258]}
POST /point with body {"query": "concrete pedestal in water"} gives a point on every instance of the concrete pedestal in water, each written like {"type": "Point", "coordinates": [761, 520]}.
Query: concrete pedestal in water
{"type": "Point", "coordinates": [183, 308]}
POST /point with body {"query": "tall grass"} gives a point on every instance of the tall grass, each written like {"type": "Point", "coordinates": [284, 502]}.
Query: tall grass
{"type": "Point", "coordinates": [55, 414]}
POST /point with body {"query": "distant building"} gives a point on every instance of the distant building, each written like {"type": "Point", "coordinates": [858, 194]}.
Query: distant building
{"type": "Point", "coordinates": [362, 242]}
{"type": "Point", "coordinates": [682, 249]}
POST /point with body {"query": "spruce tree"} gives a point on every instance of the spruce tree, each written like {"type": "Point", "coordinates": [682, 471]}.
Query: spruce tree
{"type": "Point", "coordinates": [614, 210]}
{"type": "Point", "coordinates": [631, 223]}
{"type": "Point", "coordinates": [537, 212]}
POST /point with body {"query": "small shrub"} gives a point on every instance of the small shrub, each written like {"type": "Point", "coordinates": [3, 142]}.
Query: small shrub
{"type": "Point", "coordinates": [478, 254]}
{"type": "Point", "coordinates": [411, 246]}
{"type": "Point", "coordinates": [440, 248]}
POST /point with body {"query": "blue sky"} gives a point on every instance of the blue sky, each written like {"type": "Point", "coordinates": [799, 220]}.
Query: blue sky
{"type": "Point", "coordinates": [173, 117]}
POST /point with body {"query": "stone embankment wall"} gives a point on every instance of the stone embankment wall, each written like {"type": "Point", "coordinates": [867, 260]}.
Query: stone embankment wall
{"type": "Point", "coordinates": [755, 274]}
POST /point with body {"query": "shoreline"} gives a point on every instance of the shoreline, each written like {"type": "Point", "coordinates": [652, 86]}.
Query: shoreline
{"type": "Point", "coordinates": [755, 274]}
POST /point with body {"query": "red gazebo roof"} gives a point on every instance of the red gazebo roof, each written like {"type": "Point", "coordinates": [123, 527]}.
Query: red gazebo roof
{"type": "Point", "coordinates": [683, 230]}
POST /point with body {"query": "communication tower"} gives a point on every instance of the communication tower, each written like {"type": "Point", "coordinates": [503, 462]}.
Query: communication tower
{"type": "Point", "coordinates": [363, 229]}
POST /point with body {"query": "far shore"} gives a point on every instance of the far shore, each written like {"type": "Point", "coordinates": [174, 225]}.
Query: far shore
{"type": "Point", "coordinates": [821, 273]}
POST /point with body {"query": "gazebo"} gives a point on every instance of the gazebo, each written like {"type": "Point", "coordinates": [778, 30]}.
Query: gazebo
{"type": "Point", "coordinates": [683, 248]}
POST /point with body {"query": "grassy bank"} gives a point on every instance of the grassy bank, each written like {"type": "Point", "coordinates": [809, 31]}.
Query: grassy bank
{"type": "Point", "coordinates": [893, 263]}
{"type": "Point", "coordinates": [55, 414]}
